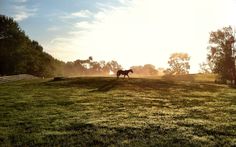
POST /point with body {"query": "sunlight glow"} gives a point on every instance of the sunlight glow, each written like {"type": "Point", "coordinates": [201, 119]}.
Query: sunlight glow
{"type": "Point", "coordinates": [146, 32]}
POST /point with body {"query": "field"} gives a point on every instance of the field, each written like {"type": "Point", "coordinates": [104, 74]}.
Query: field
{"type": "Point", "coordinates": [104, 111]}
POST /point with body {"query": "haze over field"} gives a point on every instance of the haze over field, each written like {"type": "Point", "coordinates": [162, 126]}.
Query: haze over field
{"type": "Point", "coordinates": [132, 32]}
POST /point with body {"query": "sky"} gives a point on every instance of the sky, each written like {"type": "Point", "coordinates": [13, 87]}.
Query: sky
{"type": "Point", "coordinates": [132, 32]}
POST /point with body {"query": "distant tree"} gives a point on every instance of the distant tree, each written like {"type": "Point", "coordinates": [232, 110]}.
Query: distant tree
{"type": "Point", "coordinates": [80, 67]}
{"type": "Point", "coordinates": [205, 68]}
{"type": "Point", "coordinates": [90, 67]}
{"type": "Point", "coordinates": [138, 70]}
{"type": "Point", "coordinates": [222, 53]}
{"type": "Point", "coordinates": [146, 70]}
{"type": "Point", "coordinates": [104, 69]}
{"type": "Point", "coordinates": [90, 58]}
{"type": "Point", "coordinates": [95, 68]}
{"type": "Point", "coordinates": [161, 71]}
{"type": "Point", "coordinates": [113, 66]}
{"type": "Point", "coordinates": [150, 69]}
{"type": "Point", "coordinates": [179, 64]}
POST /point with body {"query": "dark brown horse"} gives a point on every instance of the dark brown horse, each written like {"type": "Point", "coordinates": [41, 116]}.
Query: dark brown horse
{"type": "Point", "coordinates": [123, 72]}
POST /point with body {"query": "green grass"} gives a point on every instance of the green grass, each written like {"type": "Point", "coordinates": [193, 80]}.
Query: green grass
{"type": "Point", "coordinates": [100, 111]}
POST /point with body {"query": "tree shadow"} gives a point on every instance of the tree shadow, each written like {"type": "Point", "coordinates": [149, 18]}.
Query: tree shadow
{"type": "Point", "coordinates": [187, 77]}
{"type": "Point", "coordinates": [101, 84]}
{"type": "Point", "coordinates": [107, 86]}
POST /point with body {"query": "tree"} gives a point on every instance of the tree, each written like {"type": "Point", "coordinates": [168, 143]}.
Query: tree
{"type": "Point", "coordinates": [12, 43]}
{"type": "Point", "coordinates": [113, 66]}
{"type": "Point", "coordinates": [222, 53]}
{"type": "Point", "coordinates": [95, 68]}
{"type": "Point", "coordinates": [147, 70]}
{"type": "Point", "coordinates": [150, 69]}
{"type": "Point", "coordinates": [179, 64]}
{"type": "Point", "coordinates": [90, 67]}
{"type": "Point", "coordinates": [19, 54]}
{"type": "Point", "coordinates": [205, 68]}
{"type": "Point", "coordinates": [138, 69]}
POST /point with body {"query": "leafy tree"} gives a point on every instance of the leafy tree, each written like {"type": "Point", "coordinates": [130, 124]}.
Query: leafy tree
{"type": "Point", "coordinates": [90, 67]}
{"type": "Point", "coordinates": [205, 68]}
{"type": "Point", "coordinates": [104, 68]}
{"type": "Point", "coordinates": [222, 53]}
{"type": "Point", "coordinates": [111, 66]}
{"type": "Point", "coordinates": [179, 64]}
{"type": "Point", "coordinates": [18, 54]}
{"type": "Point", "coordinates": [138, 70]}
{"type": "Point", "coordinates": [147, 70]}
{"type": "Point", "coordinates": [90, 58]}
{"type": "Point", "coordinates": [12, 40]}
{"type": "Point", "coordinates": [95, 68]}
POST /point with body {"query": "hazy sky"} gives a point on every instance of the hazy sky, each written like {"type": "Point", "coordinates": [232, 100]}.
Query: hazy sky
{"type": "Point", "coordinates": [132, 32]}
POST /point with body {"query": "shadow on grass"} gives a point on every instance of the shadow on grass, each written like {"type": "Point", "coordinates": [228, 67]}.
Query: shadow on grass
{"type": "Point", "coordinates": [92, 135]}
{"type": "Point", "coordinates": [81, 134]}
{"type": "Point", "coordinates": [107, 86]}
{"type": "Point", "coordinates": [188, 77]}
{"type": "Point", "coordinates": [102, 84]}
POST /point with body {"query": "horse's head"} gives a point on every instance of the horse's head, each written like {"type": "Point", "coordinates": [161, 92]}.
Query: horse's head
{"type": "Point", "coordinates": [131, 70]}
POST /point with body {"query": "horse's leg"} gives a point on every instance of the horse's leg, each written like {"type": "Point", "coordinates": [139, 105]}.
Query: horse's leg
{"type": "Point", "coordinates": [124, 76]}
{"type": "Point", "coordinates": [128, 75]}
{"type": "Point", "coordinates": [118, 75]}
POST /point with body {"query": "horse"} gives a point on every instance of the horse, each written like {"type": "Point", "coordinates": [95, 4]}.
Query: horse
{"type": "Point", "coordinates": [123, 72]}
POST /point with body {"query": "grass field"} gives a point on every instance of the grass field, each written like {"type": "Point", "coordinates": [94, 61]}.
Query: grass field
{"type": "Point", "coordinates": [99, 111]}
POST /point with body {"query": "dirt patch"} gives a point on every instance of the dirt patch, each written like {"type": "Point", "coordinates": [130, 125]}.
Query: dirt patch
{"type": "Point", "coordinates": [4, 79]}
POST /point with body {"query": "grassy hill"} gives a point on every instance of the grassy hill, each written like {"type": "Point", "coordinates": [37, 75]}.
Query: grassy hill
{"type": "Point", "coordinates": [125, 112]}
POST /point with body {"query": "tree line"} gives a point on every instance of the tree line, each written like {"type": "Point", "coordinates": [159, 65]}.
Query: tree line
{"type": "Point", "coordinates": [19, 54]}
{"type": "Point", "coordinates": [90, 67]}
